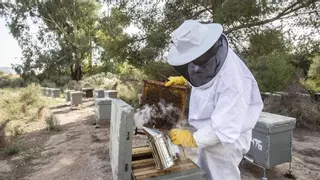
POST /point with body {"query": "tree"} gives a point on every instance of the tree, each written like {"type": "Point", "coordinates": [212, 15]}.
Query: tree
{"type": "Point", "coordinates": [239, 18]}
{"type": "Point", "coordinates": [66, 31]}
{"type": "Point", "coordinates": [269, 60]}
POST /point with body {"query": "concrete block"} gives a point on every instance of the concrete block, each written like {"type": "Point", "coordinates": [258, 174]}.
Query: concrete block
{"type": "Point", "coordinates": [120, 147]}
{"type": "Point", "coordinates": [111, 93]}
{"type": "Point", "coordinates": [99, 93]}
{"type": "Point", "coordinates": [55, 93]}
{"type": "Point", "coordinates": [76, 98]}
{"type": "Point", "coordinates": [67, 95]}
{"type": "Point", "coordinates": [88, 92]}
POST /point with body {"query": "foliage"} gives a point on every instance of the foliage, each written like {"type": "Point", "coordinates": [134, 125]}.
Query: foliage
{"type": "Point", "coordinates": [239, 18]}
{"type": "Point", "coordinates": [62, 45]}
{"type": "Point", "coordinates": [11, 81]}
{"type": "Point", "coordinates": [273, 72]}
{"type": "Point", "coordinates": [21, 106]}
{"type": "Point", "coordinates": [313, 82]}
{"type": "Point", "coordinates": [52, 123]}
{"type": "Point", "coordinates": [303, 108]}
{"type": "Point", "coordinates": [101, 80]}
{"type": "Point", "coordinates": [69, 32]}
{"type": "Point", "coordinates": [269, 60]}
{"type": "Point", "coordinates": [314, 71]}
{"type": "Point", "coordinates": [11, 150]}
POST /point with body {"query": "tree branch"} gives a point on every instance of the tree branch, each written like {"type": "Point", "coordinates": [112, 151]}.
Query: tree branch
{"type": "Point", "coordinates": [286, 11]}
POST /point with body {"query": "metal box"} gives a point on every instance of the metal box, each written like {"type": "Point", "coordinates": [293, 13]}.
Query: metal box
{"type": "Point", "coordinates": [99, 93]}
{"type": "Point", "coordinates": [55, 93]}
{"type": "Point", "coordinates": [88, 92]}
{"type": "Point", "coordinates": [272, 140]}
{"type": "Point", "coordinates": [43, 91]}
{"type": "Point", "coordinates": [111, 93]}
{"type": "Point", "coordinates": [76, 98]}
{"type": "Point", "coordinates": [67, 94]}
{"type": "Point", "coordinates": [48, 92]}
{"type": "Point", "coordinates": [120, 148]}
{"type": "Point", "coordinates": [103, 109]}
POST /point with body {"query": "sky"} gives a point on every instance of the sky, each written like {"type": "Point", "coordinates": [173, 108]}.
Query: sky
{"type": "Point", "coordinates": [10, 52]}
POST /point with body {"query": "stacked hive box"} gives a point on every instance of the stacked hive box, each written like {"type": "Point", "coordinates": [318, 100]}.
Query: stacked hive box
{"type": "Point", "coordinates": [88, 92]}
{"type": "Point", "coordinates": [76, 98]}
{"type": "Point", "coordinates": [43, 91]}
{"type": "Point", "coordinates": [55, 93]}
{"type": "Point", "coordinates": [48, 92]}
{"type": "Point", "coordinates": [271, 140]}
{"type": "Point", "coordinates": [67, 95]}
{"type": "Point", "coordinates": [137, 163]}
{"type": "Point", "coordinates": [99, 93]}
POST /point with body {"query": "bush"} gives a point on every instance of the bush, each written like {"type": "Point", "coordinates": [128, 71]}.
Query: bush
{"type": "Point", "coordinates": [272, 72]}
{"type": "Point", "coordinates": [31, 95]}
{"type": "Point", "coordinates": [11, 81]}
{"type": "Point", "coordinates": [303, 108]}
{"type": "Point", "coordinates": [101, 80]}
{"type": "Point", "coordinates": [48, 83]}
{"type": "Point", "coordinates": [52, 123]}
{"type": "Point", "coordinates": [11, 150]}
{"type": "Point", "coordinates": [313, 82]}
{"type": "Point", "coordinates": [73, 85]}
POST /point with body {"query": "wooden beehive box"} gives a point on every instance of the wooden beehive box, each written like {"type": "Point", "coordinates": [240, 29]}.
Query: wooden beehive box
{"type": "Point", "coordinates": [154, 92]}
{"type": "Point", "coordinates": [143, 168]}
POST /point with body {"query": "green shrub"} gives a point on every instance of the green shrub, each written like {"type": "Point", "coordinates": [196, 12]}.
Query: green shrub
{"type": "Point", "coordinates": [11, 81]}
{"type": "Point", "coordinates": [52, 123]}
{"type": "Point", "coordinates": [272, 72]}
{"type": "Point", "coordinates": [11, 150]}
{"type": "Point", "coordinates": [313, 82]}
{"type": "Point", "coordinates": [31, 95]}
{"type": "Point", "coordinates": [48, 83]}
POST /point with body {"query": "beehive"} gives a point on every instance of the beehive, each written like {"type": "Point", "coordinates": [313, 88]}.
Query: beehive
{"type": "Point", "coordinates": [154, 91]}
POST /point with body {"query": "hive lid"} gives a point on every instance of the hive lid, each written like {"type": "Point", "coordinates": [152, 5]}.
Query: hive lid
{"type": "Point", "coordinates": [273, 123]}
{"type": "Point", "coordinates": [102, 101]}
{"type": "Point", "coordinates": [87, 89]}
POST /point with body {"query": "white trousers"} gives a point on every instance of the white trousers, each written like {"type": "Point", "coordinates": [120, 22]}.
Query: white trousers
{"type": "Point", "coordinates": [221, 162]}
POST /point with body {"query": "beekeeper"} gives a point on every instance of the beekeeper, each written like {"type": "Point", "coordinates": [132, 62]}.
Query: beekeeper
{"type": "Point", "coordinates": [225, 101]}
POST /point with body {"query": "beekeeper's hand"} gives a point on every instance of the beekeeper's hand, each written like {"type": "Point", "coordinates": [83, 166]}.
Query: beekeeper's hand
{"type": "Point", "coordinates": [176, 80]}
{"type": "Point", "coordinates": [182, 137]}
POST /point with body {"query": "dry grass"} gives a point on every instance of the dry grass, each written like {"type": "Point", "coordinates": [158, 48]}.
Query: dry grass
{"type": "Point", "coordinates": [303, 108]}
{"type": "Point", "coordinates": [20, 106]}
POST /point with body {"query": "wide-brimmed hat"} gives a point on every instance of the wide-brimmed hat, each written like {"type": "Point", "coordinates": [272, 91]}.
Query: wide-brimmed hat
{"type": "Point", "coordinates": [191, 40]}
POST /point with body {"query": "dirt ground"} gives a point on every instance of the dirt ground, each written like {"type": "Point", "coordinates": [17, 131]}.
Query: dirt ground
{"type": "Point", "coordinates": [79, 151]}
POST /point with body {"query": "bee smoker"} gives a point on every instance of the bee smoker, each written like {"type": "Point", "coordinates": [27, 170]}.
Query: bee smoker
{"type": "Point", "coordinates": [163, 151]}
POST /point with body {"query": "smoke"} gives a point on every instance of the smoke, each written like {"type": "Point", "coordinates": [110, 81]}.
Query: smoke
{"type": "Point", "coordinates": [161, 115]}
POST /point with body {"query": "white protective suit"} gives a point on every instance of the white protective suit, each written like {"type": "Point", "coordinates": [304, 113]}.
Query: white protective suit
{"type": "Point", "coordinates": [224, 112]}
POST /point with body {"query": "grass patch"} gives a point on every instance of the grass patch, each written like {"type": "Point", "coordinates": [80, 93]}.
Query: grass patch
{"type": "Point", "coordinates": [21, 106]}
{"type": "Point", "coordinates": [11, 150]}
